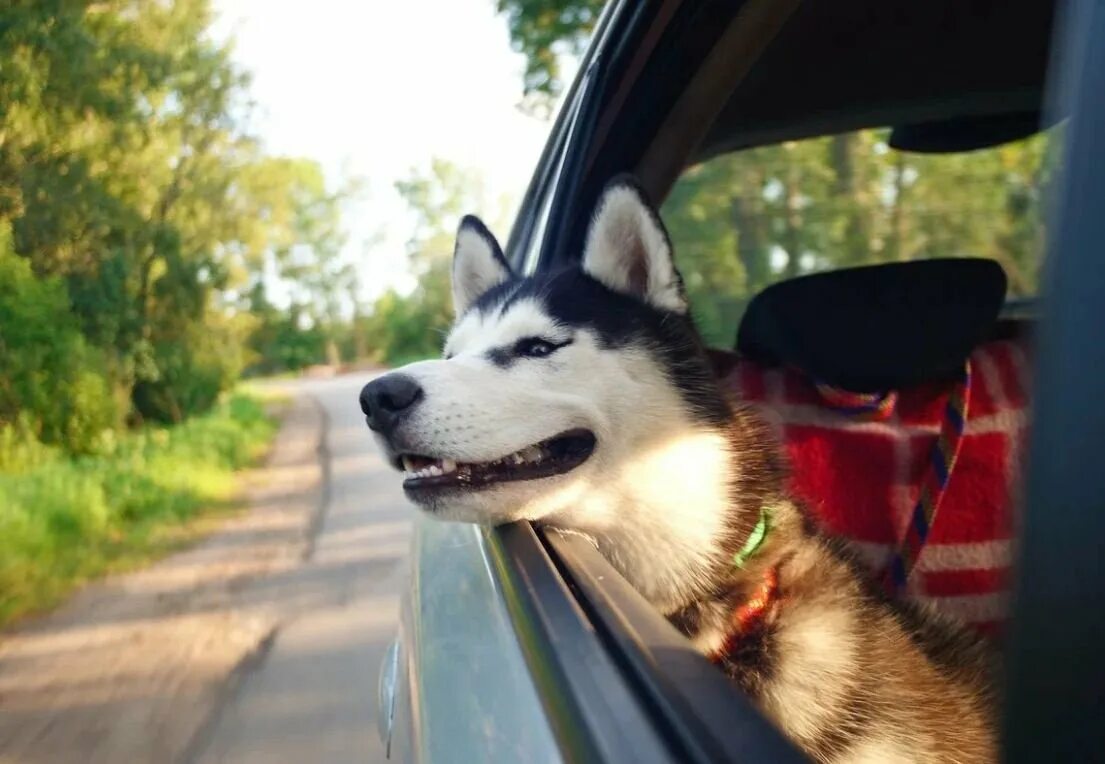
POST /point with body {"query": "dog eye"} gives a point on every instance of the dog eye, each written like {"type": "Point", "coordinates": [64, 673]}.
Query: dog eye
{"type": "Point", "coordinates": [534, 347]}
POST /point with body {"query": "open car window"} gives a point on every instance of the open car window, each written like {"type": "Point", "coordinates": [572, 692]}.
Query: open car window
{"type": "Point", "coordinates": [744, 220]}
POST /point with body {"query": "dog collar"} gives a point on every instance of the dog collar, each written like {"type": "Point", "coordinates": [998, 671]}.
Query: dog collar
{"type": "Point", "coordinates": [755, 540]}
{"type": "Point", "coordinates": [750, 617]}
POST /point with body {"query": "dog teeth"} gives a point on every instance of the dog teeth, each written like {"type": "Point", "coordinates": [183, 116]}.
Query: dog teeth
{"type": "Point", "coordinates": [433, 469]}
{"type": "Point", "coordinates": [528, 455]}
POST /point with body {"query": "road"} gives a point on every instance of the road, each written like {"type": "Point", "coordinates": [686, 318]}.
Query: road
{"type": "Point", "coordinates": [312, 695]}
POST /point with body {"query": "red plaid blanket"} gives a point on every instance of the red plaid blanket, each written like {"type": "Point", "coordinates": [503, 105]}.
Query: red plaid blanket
{"type": "Point", "coordinates": [862, 478]}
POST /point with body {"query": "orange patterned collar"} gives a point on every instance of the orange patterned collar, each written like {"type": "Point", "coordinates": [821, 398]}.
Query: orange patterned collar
{"type": "Point", "coordinates": [751, 615]}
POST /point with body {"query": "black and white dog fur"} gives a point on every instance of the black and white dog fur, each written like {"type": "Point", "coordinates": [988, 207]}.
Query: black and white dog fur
{"type": "Point", "coordinates": [583, 399]}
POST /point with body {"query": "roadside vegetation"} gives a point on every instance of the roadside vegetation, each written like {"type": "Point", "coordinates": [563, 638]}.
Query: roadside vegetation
{"type": "Point", "coordinates": [138, 219]}
{"type": "Point", "coordinates": [65, 519]}
{"type": "Point", "coordinates": [152, 255]}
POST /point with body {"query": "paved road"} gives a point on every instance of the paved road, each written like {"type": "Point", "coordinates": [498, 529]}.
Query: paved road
{"type": "Point", "coordinates": [313, 697]}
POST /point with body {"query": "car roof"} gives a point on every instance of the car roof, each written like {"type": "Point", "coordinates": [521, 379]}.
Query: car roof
{"type": "Point", "coordinates": [834, 67]}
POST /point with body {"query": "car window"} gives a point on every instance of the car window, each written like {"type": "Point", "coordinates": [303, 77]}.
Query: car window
{"type": "Point", "coordinates": [742, 221]}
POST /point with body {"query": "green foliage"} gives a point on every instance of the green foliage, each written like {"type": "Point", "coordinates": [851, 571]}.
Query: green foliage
{"type": "Point", "coordinates": [407, 327]}
{"type": "Point", "coordinates": [307, 260]}
{"type": "Point", "coordinates": [411, 327]}
{"type": "Point", "coordinates": [64, 520]}
{"type": "Point", "coordinates": [193, 367]}
{"type": "Point", "coordinates": [135, 213]}
{"type": "Point", "coordinates": [52, 385]}
{"type": "Point", "coordinates": [283, 340]}
{"type": "Point", "coordinates": [545, 30]}
{"type": "Point", "coordinates": [742, 221]}
{"type": "Point", "coordinates": [134, 194]}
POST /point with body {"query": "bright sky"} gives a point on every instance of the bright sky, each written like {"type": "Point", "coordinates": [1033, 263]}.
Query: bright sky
{"type": "Point", "coordinates": [374, 89]}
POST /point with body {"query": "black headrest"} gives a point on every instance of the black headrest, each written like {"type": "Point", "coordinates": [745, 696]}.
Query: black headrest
{"type": "Point", "coordinates": [879, 327]}
{"type": "Point", "coordinates": [966, 133]}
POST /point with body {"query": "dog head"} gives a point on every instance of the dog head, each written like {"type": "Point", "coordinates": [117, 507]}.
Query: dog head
{"type": "Point", "coordinates": [562, 393]}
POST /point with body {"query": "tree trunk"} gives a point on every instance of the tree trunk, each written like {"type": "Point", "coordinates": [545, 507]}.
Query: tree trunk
{"type": "Point", "coordinates": [333, 355]}
{"type": "Point", "coordinates": [898, 248]}
{"type": "Point", "coordinates": [857, 241]}
{"type": "Point", "coordinates": [792, 222]}
{"type": "Point", "coordinates": [746, 213]}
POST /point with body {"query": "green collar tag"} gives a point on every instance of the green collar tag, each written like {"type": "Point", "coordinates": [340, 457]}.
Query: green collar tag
{"type": "Point", "coordinates": [755, 540]}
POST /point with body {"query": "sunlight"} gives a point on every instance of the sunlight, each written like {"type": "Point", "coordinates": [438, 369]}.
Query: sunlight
{"type": "Point", "coordinates": [370, 102]}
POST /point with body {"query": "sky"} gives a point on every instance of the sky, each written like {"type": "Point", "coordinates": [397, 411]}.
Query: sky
{"type": "Point", "coordinates": [373, 89]}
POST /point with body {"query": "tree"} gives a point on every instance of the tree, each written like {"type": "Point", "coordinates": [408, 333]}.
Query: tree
{"type": "Point", "coordinates": [400, 327]}
{"type": "Point", "coordinates": [128, 180]}
{"type": "Point", "coordinates": [283, 340]}
{"type": "Point", "coordinates": [52, 387]}
{"type": "Point", "coordinates": [308, 257]}
{"type": "Point", "coordinates": [743, 220]}
{"type": "Point", "coordinates": [544, 31]}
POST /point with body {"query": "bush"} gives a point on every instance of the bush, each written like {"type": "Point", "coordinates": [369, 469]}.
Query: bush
{"type": "Point", "coordinates": [53, 384]}
{"type": "Point", "coordinates": [63, 520]}
{"type": "Point", "coordinates": [284, 341]}
{"type": "Point", "coordinates": [193, 369]}
{"type": "Point", "coordinates": [410, 328]}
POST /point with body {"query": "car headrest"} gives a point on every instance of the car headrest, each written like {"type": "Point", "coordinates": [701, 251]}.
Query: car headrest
{"type": "Point", "coordinates": [967, 133]}
{"type": "Point", "coordinates": [874, 328]}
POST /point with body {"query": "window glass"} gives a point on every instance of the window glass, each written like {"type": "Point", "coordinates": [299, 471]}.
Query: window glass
{"type": "Point", "coordinates": [742, 221]}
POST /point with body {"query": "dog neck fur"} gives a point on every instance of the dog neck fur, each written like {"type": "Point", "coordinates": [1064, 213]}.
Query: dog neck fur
{"type": "Point", "coordinates": [658, 510]}
{"type": "Point", "coordinates": [664, 534]}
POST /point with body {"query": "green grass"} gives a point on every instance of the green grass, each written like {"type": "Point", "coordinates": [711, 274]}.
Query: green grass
{"type": "Point", "coordinates": [63, 521]}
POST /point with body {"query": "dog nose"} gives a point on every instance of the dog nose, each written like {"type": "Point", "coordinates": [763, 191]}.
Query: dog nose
{"type": "Point", "coordinates": [385, 399]}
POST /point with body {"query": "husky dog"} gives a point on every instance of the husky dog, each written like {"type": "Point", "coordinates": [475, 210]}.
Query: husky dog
{"type": "Point", "coordinates": [583, 399]}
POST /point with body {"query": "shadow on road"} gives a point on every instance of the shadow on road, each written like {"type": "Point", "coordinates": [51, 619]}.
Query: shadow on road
{"type": "Point", "coordinates": [261, 644]}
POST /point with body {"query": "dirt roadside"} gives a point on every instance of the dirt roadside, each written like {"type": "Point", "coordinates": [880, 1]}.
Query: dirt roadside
{"type": "Point", "coordinates": [134, 668]}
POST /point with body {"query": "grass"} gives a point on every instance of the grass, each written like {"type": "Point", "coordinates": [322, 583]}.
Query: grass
{"type": "Point", "coordinates": [64, 521]}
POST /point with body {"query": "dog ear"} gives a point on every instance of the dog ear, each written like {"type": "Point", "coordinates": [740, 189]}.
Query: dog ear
{"type": "Point", "coordinates": [478, 263]}
{"type": "Point", "coordinates": [628, 249]}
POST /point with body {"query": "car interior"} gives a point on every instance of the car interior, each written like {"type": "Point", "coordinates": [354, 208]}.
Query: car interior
{"type": "Point", "coordinates": [858, 368]}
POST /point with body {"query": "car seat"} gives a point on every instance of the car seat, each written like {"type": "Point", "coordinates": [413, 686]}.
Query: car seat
{"type": "Point", "coordinates": [902, 403]}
